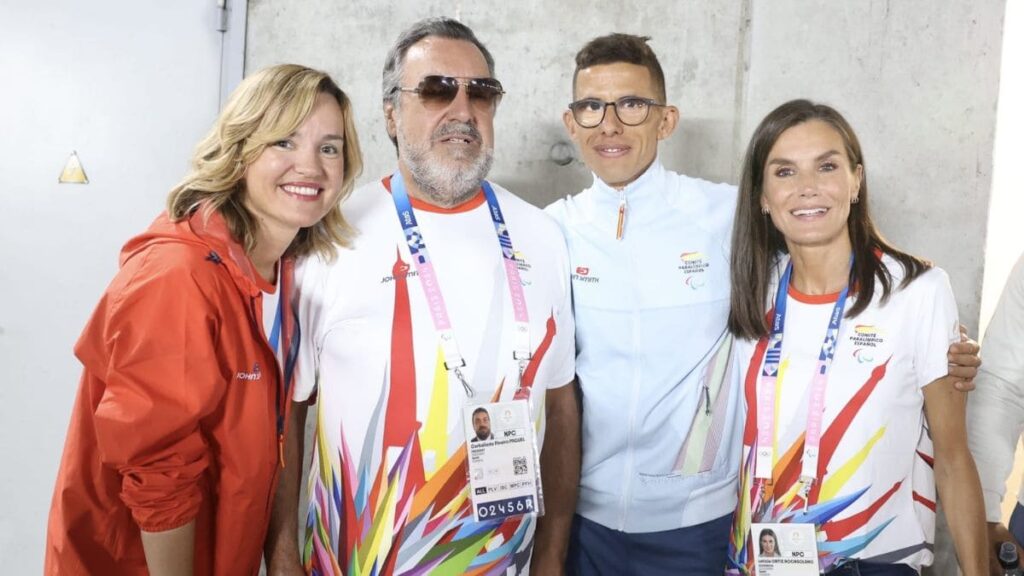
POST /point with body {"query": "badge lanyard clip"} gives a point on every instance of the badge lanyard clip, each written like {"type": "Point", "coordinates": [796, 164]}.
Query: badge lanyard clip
{"type": "Point", "coordinates": [453, 360]}
{"type": "Point", "coordinates": [457, 370]}
{"type": "Point", "coordinates": [806, 483]}
{"type": "Point", "coordinates": [521, 354]}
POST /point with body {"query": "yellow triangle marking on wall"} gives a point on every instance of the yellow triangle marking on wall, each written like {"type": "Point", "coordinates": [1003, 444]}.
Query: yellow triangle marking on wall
{"type": "Point", "coordinates": [73, 172]}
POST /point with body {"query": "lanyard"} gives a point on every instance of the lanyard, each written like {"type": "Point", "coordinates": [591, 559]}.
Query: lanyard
{"type": "Point", "coordinates": [816, 406]}
{"type": "Point", "coordinates": [275, 332]}
{"type": "Point", "coordinates": [289, 356]}
{"type": "Point", "coordinates": [453, 360]}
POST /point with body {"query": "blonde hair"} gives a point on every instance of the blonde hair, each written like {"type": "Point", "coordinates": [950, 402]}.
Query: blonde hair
{"type": "Point", "coordinates": [266, 107]}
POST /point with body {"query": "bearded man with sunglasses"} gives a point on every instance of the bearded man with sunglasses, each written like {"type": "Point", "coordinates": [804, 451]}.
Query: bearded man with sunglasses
{"type": "Point", "coordinates": [454, 295]}
{"type": "Point", "coordinates": [649, 251]}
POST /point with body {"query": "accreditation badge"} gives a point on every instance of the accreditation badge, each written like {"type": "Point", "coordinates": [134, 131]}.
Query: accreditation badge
{"type": "Point", "coordinates": [785, 549]}
{"type": "Point", "coordinates": [504, 468]}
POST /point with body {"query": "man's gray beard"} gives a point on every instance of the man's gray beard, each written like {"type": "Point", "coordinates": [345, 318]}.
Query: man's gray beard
{"type": "Point", "coordinates": [444, 183]}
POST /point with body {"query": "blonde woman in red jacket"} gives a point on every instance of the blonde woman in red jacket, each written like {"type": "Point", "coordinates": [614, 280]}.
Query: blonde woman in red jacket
{"type": "Point", "coordinates": [172, 454]}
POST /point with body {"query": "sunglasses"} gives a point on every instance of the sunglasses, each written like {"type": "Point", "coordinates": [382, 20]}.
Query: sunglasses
{"type": "Point", "coordinates": [440, 91]}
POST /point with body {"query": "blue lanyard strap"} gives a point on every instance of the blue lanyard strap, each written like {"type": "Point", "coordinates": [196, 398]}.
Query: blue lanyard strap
{"type": "Point", "coordinates": [765, 455]}
{"type": "Point", "coordinates": [774, 352]}
{"type": "Point", "coordinates": [413, 236]}
{"type": "Point", "coordinates": [275, 332]}
{"type": "Point", "coordinates": [431, 287]}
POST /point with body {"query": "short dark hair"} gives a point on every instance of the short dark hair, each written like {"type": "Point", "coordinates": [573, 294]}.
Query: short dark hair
{"type": "Point", "coordinates": [756, 243]}
{"type": "Point", "coordinates": [479, 410]}
{"type": "Point", "coordinates": [619, 47]}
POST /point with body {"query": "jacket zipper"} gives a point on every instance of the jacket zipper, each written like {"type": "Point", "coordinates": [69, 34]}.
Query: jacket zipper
{"type": "Point", "coordinates": [620, 225]}
{"type": "Point", "coordinates": [633, 402]}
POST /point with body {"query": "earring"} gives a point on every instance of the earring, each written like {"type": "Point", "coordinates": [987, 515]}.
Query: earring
{"type": "Point", "coordinates": [764, 210]}
{"type": "Point", "coordinates": [854, 200]}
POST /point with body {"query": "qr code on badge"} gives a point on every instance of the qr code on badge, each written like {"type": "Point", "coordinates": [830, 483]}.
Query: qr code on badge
{"type": "Point", "coordinates": [519, 466]}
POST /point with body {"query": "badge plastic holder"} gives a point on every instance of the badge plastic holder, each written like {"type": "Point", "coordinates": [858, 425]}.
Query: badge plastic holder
{"type": "Point", "coordinates": [503, 461]}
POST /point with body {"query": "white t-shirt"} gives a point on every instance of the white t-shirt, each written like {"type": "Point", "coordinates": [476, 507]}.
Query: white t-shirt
{"type": "Point", "coordinates": [876, 500]}
{"type": "Point", "coordinates": [389, 475]}
{"type": "Point", "coordinates": [995, 410]}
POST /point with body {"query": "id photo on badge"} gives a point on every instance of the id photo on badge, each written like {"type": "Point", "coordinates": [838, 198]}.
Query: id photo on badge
{"type": "Point", "coordinates": [785, 549]}
{"type": "Point", "coordinates": [481, 425]}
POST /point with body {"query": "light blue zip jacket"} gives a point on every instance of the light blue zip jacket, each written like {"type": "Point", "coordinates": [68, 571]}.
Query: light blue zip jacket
{"type": "Point", "coordinates": [662, 413]}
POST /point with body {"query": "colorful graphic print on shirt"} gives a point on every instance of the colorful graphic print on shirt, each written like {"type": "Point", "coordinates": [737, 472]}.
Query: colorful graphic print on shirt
{"type": "Point", "coordinates": [387, 513]}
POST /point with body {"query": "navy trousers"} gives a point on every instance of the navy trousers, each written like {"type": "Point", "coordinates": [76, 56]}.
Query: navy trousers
{"type": "Point", "coordinates": [1017, 523]}
{"type": "Point", "coordinates": [596, 551]}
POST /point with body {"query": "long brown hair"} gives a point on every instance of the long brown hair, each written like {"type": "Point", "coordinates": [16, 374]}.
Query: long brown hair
{"type": "Point", "coordinates": [756, 243]}
{"type": "Point", "coordinates": [266, 107]}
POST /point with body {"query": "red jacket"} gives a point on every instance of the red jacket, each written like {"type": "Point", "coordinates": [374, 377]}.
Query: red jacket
{"type": "Point", "coordinates": [179, 410]}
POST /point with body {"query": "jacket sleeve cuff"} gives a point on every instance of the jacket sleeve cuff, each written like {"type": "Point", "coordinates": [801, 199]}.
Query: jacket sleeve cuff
{"type": "Point", "coordinates": [161, 500]}
{"type": "Point", "coordinates": [150, 525]}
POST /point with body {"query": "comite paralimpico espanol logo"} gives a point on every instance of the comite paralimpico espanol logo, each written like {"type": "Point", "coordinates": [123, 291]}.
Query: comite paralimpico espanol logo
{"type": "Point", "coordinates": [866, 338]}
{"type": "Point", "coordinates": [693, 265]}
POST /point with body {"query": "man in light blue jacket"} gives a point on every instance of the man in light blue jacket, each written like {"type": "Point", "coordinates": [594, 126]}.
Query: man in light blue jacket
{"type": "Point", "coordinates": [649, 251]}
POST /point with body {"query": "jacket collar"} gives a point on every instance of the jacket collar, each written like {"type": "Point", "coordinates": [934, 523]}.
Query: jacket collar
{"type": "Point", "coordinates": [213, 231]}
{"type": "Point", "coordinates": [645, 198]}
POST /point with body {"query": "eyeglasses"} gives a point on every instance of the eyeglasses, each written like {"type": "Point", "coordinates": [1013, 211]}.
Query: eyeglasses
{"type": "Point", "coordinates": [439, 91]}
{"type": "Point", "coordinates": [630, 110]}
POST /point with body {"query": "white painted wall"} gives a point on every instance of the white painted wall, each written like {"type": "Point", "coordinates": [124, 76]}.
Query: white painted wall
{"type": "Point", "coordinates": [1005, 234]}
{"type": "Point", "coordinates": [132, 87]}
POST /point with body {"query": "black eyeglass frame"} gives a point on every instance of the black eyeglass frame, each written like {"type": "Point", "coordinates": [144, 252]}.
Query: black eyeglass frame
{"type": "Point", "coordinates": [649, 102]}
{"type": "Point", "coordinates": [492, 90]}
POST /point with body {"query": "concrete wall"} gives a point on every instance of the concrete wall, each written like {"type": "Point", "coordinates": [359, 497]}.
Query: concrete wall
{"type": "Point", "coordinates": [533, 46]}
{"type": "Point", "coordinates": [919, 84]}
